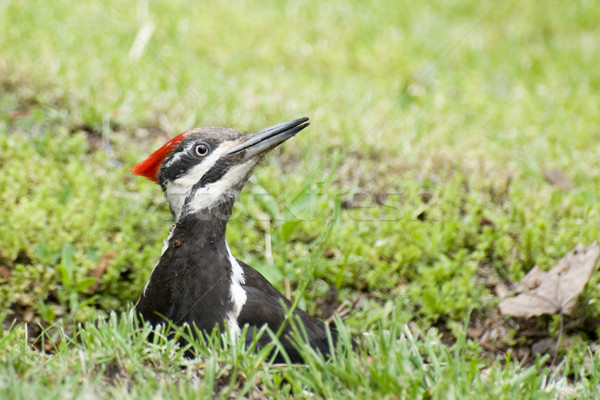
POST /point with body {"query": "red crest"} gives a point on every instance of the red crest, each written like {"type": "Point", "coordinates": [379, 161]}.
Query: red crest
{"type": "Point", "coordinates": [150, 166]}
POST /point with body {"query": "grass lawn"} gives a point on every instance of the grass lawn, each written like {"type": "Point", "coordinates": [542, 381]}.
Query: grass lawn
{"type": "Point", "coordinates": [453, 146]}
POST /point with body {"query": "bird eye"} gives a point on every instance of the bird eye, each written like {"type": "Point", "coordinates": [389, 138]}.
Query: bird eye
{"type": "Point", "coordinates": [202, 149]}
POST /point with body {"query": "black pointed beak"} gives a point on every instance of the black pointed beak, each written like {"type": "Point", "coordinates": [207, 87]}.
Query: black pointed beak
{"type": "Point", "coordinates": [266, 139]}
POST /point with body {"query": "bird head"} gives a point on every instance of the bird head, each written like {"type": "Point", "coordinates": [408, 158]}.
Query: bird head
{"type": "Point", "coordinates": [204, 167]}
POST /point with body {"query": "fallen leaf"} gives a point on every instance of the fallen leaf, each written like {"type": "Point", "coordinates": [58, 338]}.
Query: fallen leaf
{"type": "Point", "coordinates": [100, 270]}
{"type": "Point", "coordinates": [5, 273]}
{"type": "Point", "coordinates": [558, 178]}
{"type": "Point", "coordinates": [556, 290]}
{"type": "Point", "coordinates": [19, 113]}
{"type": "Point", "coordinates": [474, 333]}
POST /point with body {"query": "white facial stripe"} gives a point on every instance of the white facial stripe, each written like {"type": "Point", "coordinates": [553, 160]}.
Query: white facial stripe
{"type": "Point", "coordinates": [237, 292]}
{"type": "Point", "coordinates": [178, 189]}
{"type": "Point", "coordinates": [210, 194]}
{"type": "Point", "coordinates": [193, 175]}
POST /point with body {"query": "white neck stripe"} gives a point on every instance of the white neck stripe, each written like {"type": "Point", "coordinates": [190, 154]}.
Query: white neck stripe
{"type": "Point", "coordinates": [237, 292]}
{"type": "Point", "coordinates": [177, 190]}
{"type": "Point", "coordinates": [211, 194]}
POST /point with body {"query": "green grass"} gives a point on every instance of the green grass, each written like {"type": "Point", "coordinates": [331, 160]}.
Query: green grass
{"type": "Point", "coordinates": [114, 359]}
{"type": "Point", "coordinates": [418, 192]}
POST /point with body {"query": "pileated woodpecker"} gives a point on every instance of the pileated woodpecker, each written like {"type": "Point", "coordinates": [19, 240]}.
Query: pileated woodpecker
{"type": "Point", "coordinates": [197, 280]}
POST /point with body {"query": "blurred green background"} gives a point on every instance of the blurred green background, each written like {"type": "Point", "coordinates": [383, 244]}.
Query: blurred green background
{"type": "Point", "coordinates": [453, 146]}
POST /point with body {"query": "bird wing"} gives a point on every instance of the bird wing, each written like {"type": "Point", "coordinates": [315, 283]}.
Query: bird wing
{"type": "Point", "coordinates": [253, 278]}
{"type": "Point", "coordinates": [264, 307]}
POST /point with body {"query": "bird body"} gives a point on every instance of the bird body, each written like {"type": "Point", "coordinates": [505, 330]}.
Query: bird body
{"type": "Point", "coordinates": [197, 281]}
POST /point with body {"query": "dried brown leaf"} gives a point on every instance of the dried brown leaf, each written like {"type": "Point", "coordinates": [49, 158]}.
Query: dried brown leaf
{"type": "Point", "coordinates": [5, 273]}
{"type": "Point", "coordinates": [558, 178]}
{"type": "Point", "coordinates": [556, 290]}
{"type": "Point", "coordinates": [100, 270]}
